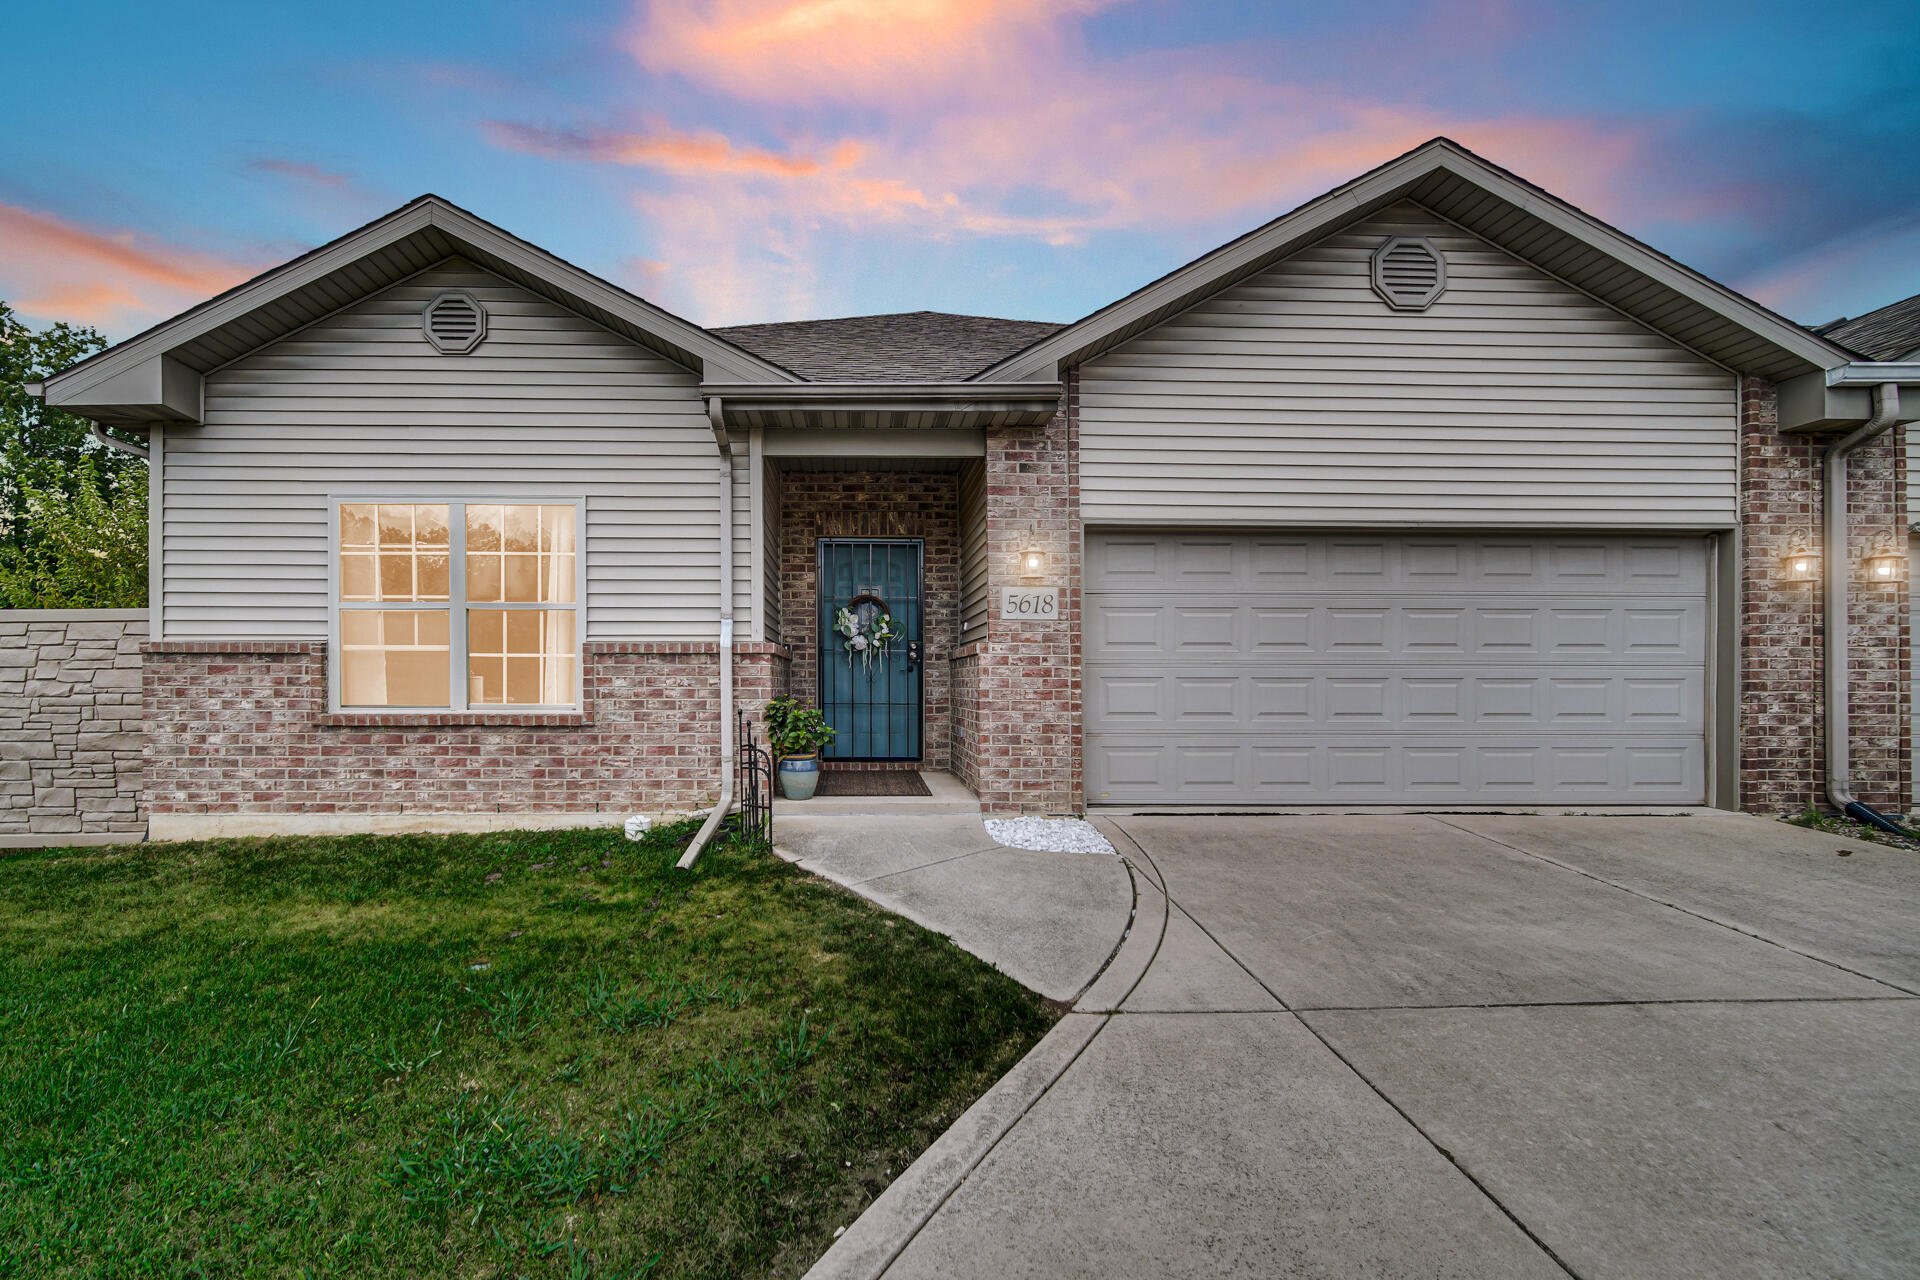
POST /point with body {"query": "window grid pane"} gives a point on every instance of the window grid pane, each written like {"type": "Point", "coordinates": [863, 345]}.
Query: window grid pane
{"type": "Point", "coordinates": [520, 657]}
{"type": "Point", "coordinates": [394, 657]}
{"type": "Point", "coordinates": [520, 553]}
{"type": "Point", "coordinates": [394, 552]}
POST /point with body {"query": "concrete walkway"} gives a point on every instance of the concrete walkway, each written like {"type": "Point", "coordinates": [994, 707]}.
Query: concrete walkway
{"type": "Point", "coordinates": [1049, 920]}
{"type": "Point", "coordinates": [1438, 1046]}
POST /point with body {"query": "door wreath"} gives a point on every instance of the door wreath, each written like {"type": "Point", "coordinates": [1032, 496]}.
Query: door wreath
{"type": "Point", "coordinates": [866, 628]}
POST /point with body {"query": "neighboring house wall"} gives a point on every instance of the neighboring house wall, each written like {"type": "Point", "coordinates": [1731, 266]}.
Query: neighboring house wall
{"type": "Point", "coordinates": [1783, 759]}
{"type": "Point", "coordinates": [874, 504]}
{"type": "Point", "coordinates": [360, 403]}
{"type": "Point", "coordinates": [70, 724]}
{"type": "Point", "coordinates": [1299, 397]}
{"type": "Point", "coordinates": [239, 730]}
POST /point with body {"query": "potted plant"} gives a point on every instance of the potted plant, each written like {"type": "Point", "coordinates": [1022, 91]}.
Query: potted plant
{"type": "Point", "coordinates": [796, 733]}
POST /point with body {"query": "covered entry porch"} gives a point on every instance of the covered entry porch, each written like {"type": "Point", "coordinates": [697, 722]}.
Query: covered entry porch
{"type": "Point", "coordinates": [875, 552]}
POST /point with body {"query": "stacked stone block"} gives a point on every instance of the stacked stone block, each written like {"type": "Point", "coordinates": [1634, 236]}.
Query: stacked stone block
{"type": "Point", "coordinates": [70, 724]}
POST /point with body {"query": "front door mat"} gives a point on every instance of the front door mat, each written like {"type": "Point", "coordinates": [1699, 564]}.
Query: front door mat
{"type": "Point", "coordinates": [871, 782]}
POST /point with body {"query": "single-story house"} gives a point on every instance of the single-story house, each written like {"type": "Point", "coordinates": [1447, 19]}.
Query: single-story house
{"type": "Point", "coordinates": [1434, 491]}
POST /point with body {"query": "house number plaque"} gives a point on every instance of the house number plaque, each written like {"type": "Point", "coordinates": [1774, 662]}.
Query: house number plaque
{"type": "Point", "coordinates": [1029, 604]}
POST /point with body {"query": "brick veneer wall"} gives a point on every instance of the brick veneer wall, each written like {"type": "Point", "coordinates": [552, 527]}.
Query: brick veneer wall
{"type": "Point", "coordinates": [70, 723]}
{"type": "Point", "coordinates": [242, 728]}
{"type": "Point", "coordinates": [966, 715]}
{"type": "Point", "coordinates": [1782, 756]}
{"type": "Point", "coordinates": [1028, 737]}
{"type": "Point", "coordinates": [875, 504]}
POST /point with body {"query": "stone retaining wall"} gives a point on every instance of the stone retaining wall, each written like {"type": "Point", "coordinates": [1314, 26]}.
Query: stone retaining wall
{"type": "Point", "coordinates": [70, 731]}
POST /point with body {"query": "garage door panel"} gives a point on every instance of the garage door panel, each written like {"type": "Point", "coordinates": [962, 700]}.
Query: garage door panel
{"type": "Point", "coordinates": [1375, 771]}
{"type": "Point", "coordinates": [1411, 700]}
{"type": "Point", "coordinates": [1641, 563]}
{"type": "Point", "coordinates": [1343, 627]}
{"type": "Point", "coordinates": [1362, 668]}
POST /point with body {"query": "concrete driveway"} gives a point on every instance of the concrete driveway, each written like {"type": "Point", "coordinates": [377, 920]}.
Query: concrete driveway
{"type": "Point", "coordinates": [1451, 1046]}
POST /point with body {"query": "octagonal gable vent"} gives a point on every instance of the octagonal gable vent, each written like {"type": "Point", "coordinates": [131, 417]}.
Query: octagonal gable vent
{"type": "Point", "coordinates": [454, 322]}
{"type": "Point", "coordinates": [1409, 273]}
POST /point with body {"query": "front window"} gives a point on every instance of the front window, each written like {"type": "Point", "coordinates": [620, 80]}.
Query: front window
{"type": "Point", "coordinates": [458, 605]}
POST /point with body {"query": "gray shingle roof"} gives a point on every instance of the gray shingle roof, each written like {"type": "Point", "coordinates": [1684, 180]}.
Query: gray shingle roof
{"type": "Point", "coordinates": [912, 346]}
{"type": "Point", "coordinates": [1887, 334]}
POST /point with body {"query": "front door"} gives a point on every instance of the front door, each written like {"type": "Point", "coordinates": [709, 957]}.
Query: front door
{"type": "Point", "coordinates": [869, 685]}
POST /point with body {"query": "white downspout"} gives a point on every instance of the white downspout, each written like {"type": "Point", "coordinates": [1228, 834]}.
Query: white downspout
{"type": "Point", "coordinates": [1837, 564]}
{"type": "Point", "coordinates": [724, 804]}
{"type": "Point", "coordinates": [117, 444]}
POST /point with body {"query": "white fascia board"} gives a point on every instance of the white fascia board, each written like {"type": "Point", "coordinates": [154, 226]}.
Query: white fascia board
{"type": "Point", "coordinates": [242, 299]}
{"type": "Point", "coordinates": [874, 442]}
{"type": "Point", "coordinates": [1214, 271]}
{"type": "Point", "coordinates": [860, 392]}
{"type": "Point", "coordinates": [720, 356]}
{"type": "Point", "coordinates": [1872, 373]}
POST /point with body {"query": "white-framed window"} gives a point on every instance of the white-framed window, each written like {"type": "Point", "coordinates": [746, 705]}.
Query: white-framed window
{"type": "Point", "coordinates": [455, 606]}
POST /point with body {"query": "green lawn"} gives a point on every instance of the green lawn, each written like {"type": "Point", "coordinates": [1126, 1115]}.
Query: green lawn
{"type": "Point", "coordinates": [516, 1054]}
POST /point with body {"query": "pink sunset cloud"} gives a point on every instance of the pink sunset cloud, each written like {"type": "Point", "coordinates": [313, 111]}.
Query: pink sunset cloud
{"type": "Point", "coordinates": [790, 50]}
{"type": "Point", "coordinates": [60, 270]}
{"type": "Point", "coordinates": [991, 118]}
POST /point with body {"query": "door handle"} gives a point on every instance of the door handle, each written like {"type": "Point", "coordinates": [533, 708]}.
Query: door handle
{"type": "Point", "coordinates": [913, 654]}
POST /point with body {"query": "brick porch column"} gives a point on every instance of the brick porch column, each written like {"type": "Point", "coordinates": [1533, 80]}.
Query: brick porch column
{"type": "Point", "coordinates": [1027, 735]}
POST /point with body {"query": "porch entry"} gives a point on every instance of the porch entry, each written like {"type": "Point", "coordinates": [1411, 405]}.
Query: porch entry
{"type": "Point", "coordinates": [873, 703]}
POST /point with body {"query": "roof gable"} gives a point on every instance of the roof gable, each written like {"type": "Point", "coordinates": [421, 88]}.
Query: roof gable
{"type": "Point", "coordinates": [1482, 198]}
{"type": "Point", "coordinates": [110, 386]}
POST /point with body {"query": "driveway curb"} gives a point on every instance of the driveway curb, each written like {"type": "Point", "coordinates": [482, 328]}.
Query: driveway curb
{"type": "Point", "coordinates": [890, 1223]}
{"type": "Point", "coordinates": [1145, 929]}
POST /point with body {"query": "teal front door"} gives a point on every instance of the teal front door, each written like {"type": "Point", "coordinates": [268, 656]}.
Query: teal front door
{"type": "Point", "coordinates": [871, 696]}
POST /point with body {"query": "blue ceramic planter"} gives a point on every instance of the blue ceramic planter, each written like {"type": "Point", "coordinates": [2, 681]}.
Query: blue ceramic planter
{"type": "Point", "coordinates": [799, 775]}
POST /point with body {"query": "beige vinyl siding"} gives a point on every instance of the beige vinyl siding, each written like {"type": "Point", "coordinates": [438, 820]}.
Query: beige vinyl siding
{"type": "Point", "coordinates": [359, 402]}
{"type": "Point", "coordinates": [973, 550]}
{"type": "Point", "coordinates": [746, 600]}
{"type": "Point", "coordinates": [1298, 396]}
{"type": "Point", "coordinates": [770, 585]}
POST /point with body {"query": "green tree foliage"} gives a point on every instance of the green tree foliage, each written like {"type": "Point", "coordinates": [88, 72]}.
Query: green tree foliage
{"type": "Point", "coordinates": [72, 511]}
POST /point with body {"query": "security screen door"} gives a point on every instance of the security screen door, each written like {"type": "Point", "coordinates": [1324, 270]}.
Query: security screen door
{"type": "Point", "coordinates": [872, 701]}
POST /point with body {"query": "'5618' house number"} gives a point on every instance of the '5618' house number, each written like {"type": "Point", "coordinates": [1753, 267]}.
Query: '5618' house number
{"type": "Point", "coordinates": [1032, 604]}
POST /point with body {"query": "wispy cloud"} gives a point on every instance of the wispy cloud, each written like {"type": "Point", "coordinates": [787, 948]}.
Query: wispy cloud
{"type": "Point", "coordinates": [320, 195]}
{"type": "Point", "coordinates": [56, 269]}
{"type": "Point", "coordinates": [307, 174]}
{"type": "Point", "coordinates": [662, 147]}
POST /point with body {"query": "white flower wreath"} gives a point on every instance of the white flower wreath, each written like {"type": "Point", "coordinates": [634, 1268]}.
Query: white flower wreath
{"type": "Point", "coordinates": [868, 632]}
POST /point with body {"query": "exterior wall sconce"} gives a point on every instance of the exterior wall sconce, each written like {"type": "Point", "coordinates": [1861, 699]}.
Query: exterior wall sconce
{"type": "Point", "coordinates": [1033, 561]}
{"type": "Point", "coordinates": [1885, 564]}
{"type": "Point", "coordinates": [1801, 563]}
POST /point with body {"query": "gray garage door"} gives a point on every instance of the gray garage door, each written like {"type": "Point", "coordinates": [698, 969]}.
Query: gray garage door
{"type": "Point", "coordinates": [1395, 669]}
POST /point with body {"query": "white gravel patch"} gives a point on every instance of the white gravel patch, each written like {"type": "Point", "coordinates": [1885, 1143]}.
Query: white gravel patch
{"type": "Point", "coordinates": [1048, 835]}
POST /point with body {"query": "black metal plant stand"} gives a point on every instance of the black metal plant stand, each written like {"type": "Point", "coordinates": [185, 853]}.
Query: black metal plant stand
{"type": "Point", "coordinates": [753, 783]}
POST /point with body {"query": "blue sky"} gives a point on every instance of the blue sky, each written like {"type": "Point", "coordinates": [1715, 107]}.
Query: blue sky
{"type": "Point", "coordinates": [740, 160]}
